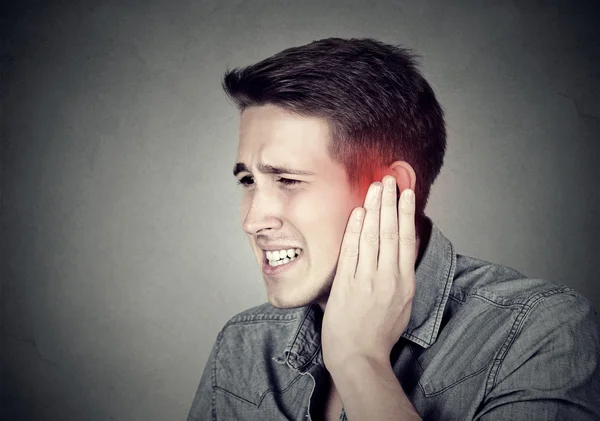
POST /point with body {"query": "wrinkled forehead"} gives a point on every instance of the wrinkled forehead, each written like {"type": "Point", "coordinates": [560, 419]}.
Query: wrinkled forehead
{"type": "Point", "coordinates": [272, 135]}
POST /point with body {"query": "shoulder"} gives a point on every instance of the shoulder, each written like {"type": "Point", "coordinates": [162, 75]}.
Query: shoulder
{"type": "Point", "coordinates": [500, 322]}
{"type": "Point", "coordinates": [527, 309]}
{"type": "Point", "coordinates": [529, 335]}
{"type": "Point", "coordinates": [502, 285]}
{"type": "Point", "coordinates": [552, 351]}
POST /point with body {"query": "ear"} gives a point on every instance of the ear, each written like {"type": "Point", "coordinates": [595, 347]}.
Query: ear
{"type": "Point", "coordinates": [404, 174]}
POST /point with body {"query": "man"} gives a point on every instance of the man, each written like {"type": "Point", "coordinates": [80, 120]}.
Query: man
{"type": "Point", "coordinates": [372, 315]}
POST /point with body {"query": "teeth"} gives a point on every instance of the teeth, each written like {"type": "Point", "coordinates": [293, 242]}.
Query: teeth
{"type": "Point", "coordinates": [281, 262]}
{"type": "Point", "coordinates": [279, 257]}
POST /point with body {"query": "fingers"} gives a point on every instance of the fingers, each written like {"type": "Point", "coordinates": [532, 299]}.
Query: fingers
{"type": "Point", "coordinates": [380, 238]}
{"type": "Point", "coordinates": [349, 250]}
{"type": "Point", "coordinates": [408, 237]}
{"type": "Point", "coordinates": [389, 237]}
{"type": "Point", "coordinates": [369, 237]}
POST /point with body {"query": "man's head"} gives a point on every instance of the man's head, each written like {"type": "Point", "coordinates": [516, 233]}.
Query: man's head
{"type": "Point", "coordinates": [348, 111]}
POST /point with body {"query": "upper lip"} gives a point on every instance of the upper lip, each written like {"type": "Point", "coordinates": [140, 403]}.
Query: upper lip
{"type": "Point", "coordinates": [278, 247]}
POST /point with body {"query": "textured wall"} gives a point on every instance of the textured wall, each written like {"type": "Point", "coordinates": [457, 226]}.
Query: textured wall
{"type": "Point", "coordinates": [122, 250]}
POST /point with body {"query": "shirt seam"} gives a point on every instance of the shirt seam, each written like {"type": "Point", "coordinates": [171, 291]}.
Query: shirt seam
{"type": "Point", "coordinates": [261, 397]}
{"type": "Point", "coordinates": [516, 328]}
{"type": "Point", "coordinates": [461, 380]}
{"type": "Point", "coordinates": [251, 322]}
{"type": "Point", "coordinates": [456, 299]}
{"type": "Point", "coordinates": [496, 304]}
{"type": "Point", "coordinates": [264, 317]}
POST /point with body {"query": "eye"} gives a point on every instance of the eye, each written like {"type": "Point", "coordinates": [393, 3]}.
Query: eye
{"type": "Point", "coordinates": [248, 181]}
{"type": "Point", "coordinates": [288, 181]}
{"type": "Point", "coordinates": [245, 181]}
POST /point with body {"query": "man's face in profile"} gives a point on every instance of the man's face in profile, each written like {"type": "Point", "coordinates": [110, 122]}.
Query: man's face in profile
{"type": "Point", "coordinates": [310, 215]}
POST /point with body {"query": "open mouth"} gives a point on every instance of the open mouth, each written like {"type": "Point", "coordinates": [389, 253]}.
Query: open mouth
{"type": "Point", "coordinates": [281, 257]}
{"type": "Point", "coordinates": [276, 264]}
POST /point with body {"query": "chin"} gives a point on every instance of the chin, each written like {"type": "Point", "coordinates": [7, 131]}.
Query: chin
{"type": "Point", "coordinates": [286, 302]}
{"type": "Point", "coordinates": [281, 300]}
{"type": "Point", "coordinates": [297, 295]}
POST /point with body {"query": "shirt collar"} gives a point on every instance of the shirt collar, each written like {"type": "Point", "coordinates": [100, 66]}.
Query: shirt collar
{"type": "Point", "coordinates": [434, 276]}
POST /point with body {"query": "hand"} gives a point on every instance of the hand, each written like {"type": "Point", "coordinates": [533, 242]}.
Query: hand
{"type": "Point", "coordinates": [371, 299]}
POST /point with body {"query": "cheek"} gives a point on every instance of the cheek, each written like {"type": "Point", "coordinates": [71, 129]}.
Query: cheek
{"type": "Point", "coordinates": [338, 227]}
{"type": "Point", "coordinates": [323, 226]}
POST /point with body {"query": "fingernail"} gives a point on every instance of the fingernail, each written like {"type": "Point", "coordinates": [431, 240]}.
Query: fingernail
{"type": "Point", "coordinates": [409, 195]}
{"type": "Point", "coordinates": [390, 183]}
{"type": "Point", "coordinates": [375, 190]}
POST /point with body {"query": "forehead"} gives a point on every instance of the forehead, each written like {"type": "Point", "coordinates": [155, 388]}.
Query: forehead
{"type": "Point", "coordinates": [272, 135]}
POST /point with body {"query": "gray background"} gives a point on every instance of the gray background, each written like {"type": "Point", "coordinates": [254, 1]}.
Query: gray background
{"type": "Point", "coordinates": [122, 249]}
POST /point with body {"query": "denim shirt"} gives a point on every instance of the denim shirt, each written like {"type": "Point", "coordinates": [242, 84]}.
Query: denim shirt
{"type": "Point", "coordinates": [483, 343]}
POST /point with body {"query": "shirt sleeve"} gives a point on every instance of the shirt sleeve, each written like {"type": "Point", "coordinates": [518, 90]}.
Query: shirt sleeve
{"type": "Point", "coordinates": [203, 404]}
{"type": "Point", "coordinates": [550, 370]}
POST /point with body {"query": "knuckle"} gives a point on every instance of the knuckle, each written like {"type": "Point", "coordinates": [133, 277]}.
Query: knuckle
{"type": "Point", "coordinates": [390, 235]}
{"type": "Point", "coordinates": [408, 240]}
{"type": "Point", "coordinates": [371, 238]}
{"type": "Point", "coordinates": [351, 251]}
{"type": "Point", "coordinates": [391, 279]}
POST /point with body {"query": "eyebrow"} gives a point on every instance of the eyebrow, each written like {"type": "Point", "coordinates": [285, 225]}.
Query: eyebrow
{"type": "Point", "coordinates": [270, 169]}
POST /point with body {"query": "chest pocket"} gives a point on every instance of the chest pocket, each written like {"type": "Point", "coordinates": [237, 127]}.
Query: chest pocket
{"type": "Point", "coordinates": [244, 366]}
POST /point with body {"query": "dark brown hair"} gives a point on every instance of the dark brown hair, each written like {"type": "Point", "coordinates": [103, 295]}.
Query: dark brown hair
{"type": "Point", "coordinates": [379, 106]}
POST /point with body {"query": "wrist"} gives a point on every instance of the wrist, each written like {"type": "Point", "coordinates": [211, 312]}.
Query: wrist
{"type": "Point", "coordinates": [354, 366]}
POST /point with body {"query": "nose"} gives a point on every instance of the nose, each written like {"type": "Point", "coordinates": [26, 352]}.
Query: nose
{"type": "Point", "coordinates": [261, 212]}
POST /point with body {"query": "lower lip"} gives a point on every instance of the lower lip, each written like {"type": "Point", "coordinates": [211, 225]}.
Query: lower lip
{"type": "Point", "coordinates": [276, 270]}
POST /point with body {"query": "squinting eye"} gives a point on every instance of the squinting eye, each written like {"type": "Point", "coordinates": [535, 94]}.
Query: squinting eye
{"type": "Point", "coordinates": [289, 182]}
{"type": "Point", "coordinates": [246, 181]}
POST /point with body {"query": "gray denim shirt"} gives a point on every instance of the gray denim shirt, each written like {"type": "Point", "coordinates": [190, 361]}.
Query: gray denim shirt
{"type": "Point", "coordinates": [483, 343]}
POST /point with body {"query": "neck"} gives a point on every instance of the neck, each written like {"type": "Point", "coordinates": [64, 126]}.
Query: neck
{"type": "Point", "coordinates": [423, 226]}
